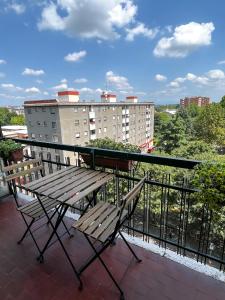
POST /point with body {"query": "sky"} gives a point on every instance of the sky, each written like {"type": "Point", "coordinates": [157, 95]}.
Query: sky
{"type": "Point", "coordinates": [157, 50]}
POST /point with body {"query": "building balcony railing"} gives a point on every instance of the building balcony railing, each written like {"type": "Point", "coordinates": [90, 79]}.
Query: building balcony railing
{"type": "Point", "coordinates": [168, 213]}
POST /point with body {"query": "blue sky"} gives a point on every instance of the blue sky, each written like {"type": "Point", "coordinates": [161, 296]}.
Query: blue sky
{"type": "Point", "coordinates": [158, 50]}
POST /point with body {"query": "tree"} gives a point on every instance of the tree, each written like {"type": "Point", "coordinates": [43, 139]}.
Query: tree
{"type": "Point", "coordinates": [17, 120]}
{"type": "Point", "coordinates": [222, 101]}
{"type": "Point", "coordinates": [5, 116]}
{"type": "Point", "coordinates": [160, 119]}
{"type": "Point", "coordinates": [210, 124]}
{"type": "Point", "coordinates": [172, 135]}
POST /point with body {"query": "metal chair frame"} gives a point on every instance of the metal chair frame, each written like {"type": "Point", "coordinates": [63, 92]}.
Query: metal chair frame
{"type": "Point", "coordinates": [130, 199]}
{"type": "Point", "coordinates": [11, 178]}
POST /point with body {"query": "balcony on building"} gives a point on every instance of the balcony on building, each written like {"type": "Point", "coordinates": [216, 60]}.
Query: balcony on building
{"type": "Point", "coordinates": [182, 258]}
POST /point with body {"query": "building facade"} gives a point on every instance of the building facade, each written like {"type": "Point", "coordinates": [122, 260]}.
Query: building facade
{"type": "Point", "coordinates": [199, 101]}
{"type": "Point", "coordinates": [67, 120]}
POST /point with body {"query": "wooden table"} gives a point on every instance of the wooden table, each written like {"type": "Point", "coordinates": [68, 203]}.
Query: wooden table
{"type": "Point", "coordinates": [68, 187]}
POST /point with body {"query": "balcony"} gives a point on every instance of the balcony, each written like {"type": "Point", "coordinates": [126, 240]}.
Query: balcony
{"type": "Point", "coordinates": [91, 114]}
{"type": "Point", "coordinates": [92, 126]}
{"type": "Point", "coordinates": [165, 221]}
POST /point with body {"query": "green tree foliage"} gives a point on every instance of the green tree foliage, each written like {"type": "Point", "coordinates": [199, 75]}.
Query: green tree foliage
{"type": "Point", "coordinates": [17, 120]}
{"type": "Point", "coordinates": [5, 116]}
{"type": "Point", "coordinates": [210, 125]}
{"type": "Point", "coordinates": [160, 119]}
{"type": "Point", "coordinates": [172, 135]}
{"type": "Point", "coordinates": [195, 150]}
{"type": "Point", "coordinates": [222, 101]}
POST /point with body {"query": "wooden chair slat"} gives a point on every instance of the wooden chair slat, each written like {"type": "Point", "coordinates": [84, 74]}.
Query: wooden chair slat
{"type": "Point", "coordinates": [22, 173]}
{"type": "Point", "coordinates": [22, 164]}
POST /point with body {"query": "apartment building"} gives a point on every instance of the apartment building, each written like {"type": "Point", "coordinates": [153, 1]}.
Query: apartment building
{"type": "Point", "coordinates": [199, 101]}
{"type": "Point", "coordinates": [67, 120]}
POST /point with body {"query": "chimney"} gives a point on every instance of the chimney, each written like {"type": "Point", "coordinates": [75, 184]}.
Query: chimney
{"type": "Point", "coordinates": [108, 97]}
{"type": "Point", "coordinates": [68, 96]}
{"type": "Point", "coordinates": [133, 99]}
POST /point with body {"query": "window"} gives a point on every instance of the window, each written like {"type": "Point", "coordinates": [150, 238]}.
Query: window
{"type": "Point", "coordinates": [85, 121]}
{"type": "Point", "coordinates": [118, 117]}
{"type": "Point", "coordinates": [99, 120]}
{"type": "Point", "coordinates": [114, 117]}
{"type": "Point", "coordinates": [38, 123]}
{"type": "Point", "coordinates": [33, 135]}
{"type": "Point", "coordinates": [46, 137]}
{"type": "Point", "coordinates": [84, 109]}
{"type": "Point", "coordinates": [30, 123]}
{"type": "Point", "coordinates": [105, 129]}
{"type": "Point", "coordinates": [77, 135]}
{"type": "Point", "coordinates": [105, 118]}
{"type": "Point", "coordinates": [113, 108]}
{"type": "Point", "coordinates": [55, 138]}
{"type": "Point", "coordinates": [40, 136]}
{"type": "Point", "coordinates": [77, 122]}
{"type": "Point", "coordinates": [29, 111]}
{"type": "Point", "coordinates": [99, 130]}
{"type": "Point", "coordinates": [85, 133]}
{"type": "Point", "coordinates": [43, 108]}
{"type": "Point", "coordinates": [53, 124]}
{"type": "Point", "coordinates": [45, 124]}
{"type": "Point", "coordinates": [52, 110]}
{"type": "Point", "coordinates": [75, 109]}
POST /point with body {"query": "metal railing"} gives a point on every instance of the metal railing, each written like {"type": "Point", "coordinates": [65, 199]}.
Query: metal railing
{"type": "Point", "coordinates": [168, 214]}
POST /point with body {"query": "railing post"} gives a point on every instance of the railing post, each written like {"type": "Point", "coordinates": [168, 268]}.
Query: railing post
{"type": "Point", "coordinates": [93, 159]}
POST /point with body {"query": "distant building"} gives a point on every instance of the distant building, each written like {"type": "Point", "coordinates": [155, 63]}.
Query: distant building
{"type": "Point", "coordinates": [15, 131]}
{"type": "Point", "coordinates": [199, 101]}
{"type": "Point", "coordinates": [16, 109]}
{"type": "Point", "coordinates": [171, 111]}
{"type": "Point", "coordinates": [67, 120]}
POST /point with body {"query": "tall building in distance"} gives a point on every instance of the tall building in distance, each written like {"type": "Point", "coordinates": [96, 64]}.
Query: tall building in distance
{"type": "Point", "coordinates": [68, 120]}
{"type": "Point", "coordinates": [198, 100]}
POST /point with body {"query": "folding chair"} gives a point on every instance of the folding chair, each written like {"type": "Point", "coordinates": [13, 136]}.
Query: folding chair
{"type": "Point", "coordinates": [103, 222]}
{"type": "Point", "coordinates": [25, 171]}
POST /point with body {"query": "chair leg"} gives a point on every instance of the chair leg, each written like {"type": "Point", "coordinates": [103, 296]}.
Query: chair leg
{"type": "Point", "coordinates": [97, 255]}
{"type": "Point", "coordinates": [26, 231]}
{"type": "Point", "coordinates": [131, 250]}
{"type": "Point", "coordinates": [29, 230]}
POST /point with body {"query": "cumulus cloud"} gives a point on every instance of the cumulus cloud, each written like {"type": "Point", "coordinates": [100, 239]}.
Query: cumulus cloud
{"type": "Point", "coordinates": [80, 80]}
{"type": "Point", "coordinates": [32, 90]}
{"type": "Point", "coordinates": [59, 87]}
{"type": "Point", "coordinates": [64, 80]}
{"type": "Point", "coordinates": [88, 18]}
{"type": "Point", "coordinates": [75, 56]}
{"type": "Point", "coordinates": [32, 72]}
{"type": "Point", "coordinates": [216, 74]}
{"type": "Point", "coordinates": [118, 82]}
{"type": "Point", "coordinates": [11, 87]}
{"type": "Point", "coordinates": [2, 62]}
{"type": "Point", "coordinates": [185, 39]}
{"type": "Point", "coordinates": [16, 7]}
{"type": "Point", "coordinates": [140, 29]}
{"type": "Point", "coordinates": [160, 77]}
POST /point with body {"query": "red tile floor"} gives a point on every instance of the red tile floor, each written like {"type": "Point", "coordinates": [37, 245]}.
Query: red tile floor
{"type": "Point", "coordinates": [23, 278]}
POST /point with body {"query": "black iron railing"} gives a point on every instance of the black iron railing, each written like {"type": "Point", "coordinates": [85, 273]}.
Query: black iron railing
{"type": "Point", "coordinates": [168, 212]}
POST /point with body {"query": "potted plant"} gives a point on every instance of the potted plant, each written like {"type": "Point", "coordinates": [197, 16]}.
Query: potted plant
{"type": "Point", "coordinates": [11, 151]}
{"type": "Point", "coordinates": [110, 162]}
{"type": "Point", "coordinates": [209, 178]}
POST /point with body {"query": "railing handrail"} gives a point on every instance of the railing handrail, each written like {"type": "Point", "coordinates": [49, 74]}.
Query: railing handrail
{"type": "Point", "coordinates": [140, 157]}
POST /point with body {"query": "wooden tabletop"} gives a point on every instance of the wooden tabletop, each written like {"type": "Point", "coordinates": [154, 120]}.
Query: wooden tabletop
{"type": "Point", "coordinates": [70, 184]}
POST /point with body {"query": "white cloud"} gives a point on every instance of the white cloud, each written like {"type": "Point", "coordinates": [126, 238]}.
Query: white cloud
{"type": "Point", "coordinates": [86, 90]}
{"type": "Point", "coordinates": [11, 87]}
{"type": "Point", "coordinates": [17, 8]}
{"type": "Point", "coordinates": [88, 18]}
{"type": "Point", "coordinates": [64, 80]}
{"type": "Point", "coordinates": [2, 62]}
{"type": "Point", "coordinates": [75, 56]}
{"type": "Point", "coordinates": [32, 90]}
{"type": "Point", "coordinates": [174, 84]}
{"type": "Point", "coordinates": [32, 72]}
{"type": "Point", "coordinates": [216, 74]}
{"type": "Point", "coordinates": [140, 29]}
{"type": "Point", "coordinates": [62, 86]}
{"type": "Point", "coordinates": [80, 80]}
{"type": "Point", "coordinates": [118, 82]}
{"type": "Point", "coordinates": [222, 62]}
{"type": "Point", "coordinates": [185, 39]}
{"type": "Point", "coordinates": [160, 77]}
{"type": "Point", "coordinates": [46, 93]}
